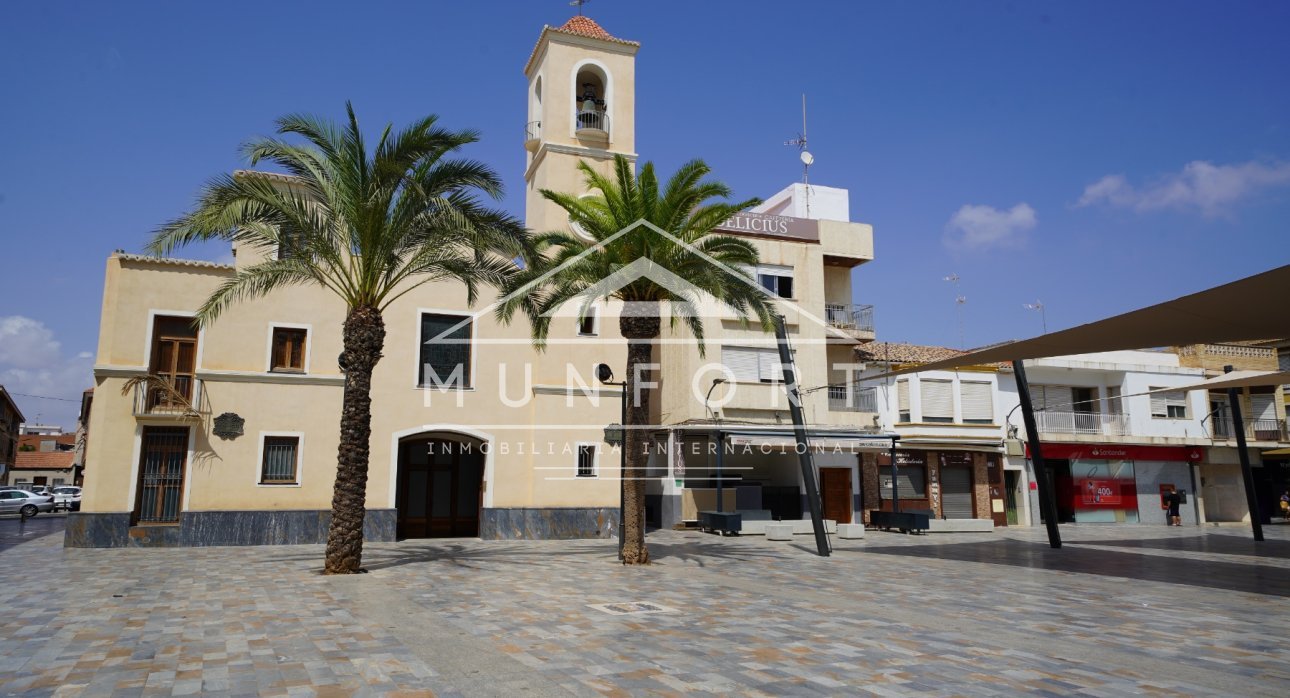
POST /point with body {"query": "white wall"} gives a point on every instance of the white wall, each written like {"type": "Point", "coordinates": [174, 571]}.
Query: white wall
{"type": "Point", "coordinates": [826, 203]}
{"type": "Point", "coordinates": [1133, 372]}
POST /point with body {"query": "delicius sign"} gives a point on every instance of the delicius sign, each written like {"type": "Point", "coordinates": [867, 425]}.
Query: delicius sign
{"type": "Point", "coordinates": [777, 226]}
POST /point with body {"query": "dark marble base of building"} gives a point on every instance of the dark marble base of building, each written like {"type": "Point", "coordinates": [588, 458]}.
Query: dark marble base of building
{"type": "Point", "coordinates": [548, 524]}
{"type": "Point", "coordinates": [203, 528]}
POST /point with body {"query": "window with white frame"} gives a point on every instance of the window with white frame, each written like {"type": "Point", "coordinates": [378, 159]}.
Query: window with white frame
{"type": "Point", "coordinates": [753, 364]}
{"type": "Point", "coordinates": [938, 400]}
{"type": "Point", "coordinates": [287, 350]}
{"type": "Point", "coordinates": [445, 351]}
{"type": "Point", "coordinates": [977, 401]}
{"type": "Point", "coordinates": [902, 400]}
{"type": "Point", "coordinates": [776, 278]}
{"type": "Point", "coordinates": [1170, 404]}
{"type": "Point", "coordinates": [586, 460]}
{"type": "Point", "coordinates": [280, 460]}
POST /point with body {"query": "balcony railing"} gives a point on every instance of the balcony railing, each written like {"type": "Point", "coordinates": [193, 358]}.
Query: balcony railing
{"type": "Point", "coordinates": [1255, 429]}
{"type": "Point", "coordinates": [844, 398]}
{"type": "Point", "coordinates": [532, 131]}
{"type": "Point", "coordinates": [849, 317]}
{"type": "Point", "coordinates": [1095, 423]}
{"type": "Point", "coordinates": [164, 396]}
{"type": "Point", "coordinates": [591, 120]}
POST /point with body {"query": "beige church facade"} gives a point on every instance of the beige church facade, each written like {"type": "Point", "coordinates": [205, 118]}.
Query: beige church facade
{"type": "Point", "coordinates": [228, 435]}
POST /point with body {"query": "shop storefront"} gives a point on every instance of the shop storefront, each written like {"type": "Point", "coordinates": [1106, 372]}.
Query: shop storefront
{"type": "Point", "coordinates": [952, 484]}
{"type": "Point", "coordinates": [1112, 483]}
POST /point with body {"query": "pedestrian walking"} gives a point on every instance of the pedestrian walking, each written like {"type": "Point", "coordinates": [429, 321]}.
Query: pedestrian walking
{"type": "Point", "coordinates": [1174, 500]}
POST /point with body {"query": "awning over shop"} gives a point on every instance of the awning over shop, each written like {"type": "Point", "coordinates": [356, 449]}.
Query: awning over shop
{"type": "Point", "coordinates": [1227, 313]}
{"type": "Point", "coordinates": [913, 442]}
{"type": "Point", "coordinates": [789, 443]}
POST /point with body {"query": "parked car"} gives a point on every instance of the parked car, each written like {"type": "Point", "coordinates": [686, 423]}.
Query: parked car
{"type": "Point", "coordinates": [26, 503]}
{"type": "Point", "coordinates": [39, 489]}
{"type": "Point", "coordinates": [67, 497]}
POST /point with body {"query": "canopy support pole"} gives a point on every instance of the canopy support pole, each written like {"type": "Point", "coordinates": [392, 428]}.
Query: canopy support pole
{"type": "Point", "coordinates": [1046, 501]}
{"type": "Point", "coordinates": [799, 430]}
{"type": "Point", "coordinates": [895, 480]}
{"type": "Point", "coordinates": [1238, 424]}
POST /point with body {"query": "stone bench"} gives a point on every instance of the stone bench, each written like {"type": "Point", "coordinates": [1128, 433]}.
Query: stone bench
{"type": "Point", "coordinates": [961, 526]}
{"type": "Point", "coordinates": [851, 531]}
{"type": "Point", "coordinates": [757, 527]}
{"type": "Point", "coordinates": [779, 531]}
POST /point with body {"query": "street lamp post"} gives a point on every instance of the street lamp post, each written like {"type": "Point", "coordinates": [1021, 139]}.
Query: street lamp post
{"type": "Point", "coordinates": [720, 439]}
{"type": "Point", "coordinates": [605, 375]}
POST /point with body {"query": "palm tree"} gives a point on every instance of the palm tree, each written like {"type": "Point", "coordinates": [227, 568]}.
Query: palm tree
{"type": "Point", "coordinates": [569, 268]}
{"type": "Point", "coordinates": [370, 227]}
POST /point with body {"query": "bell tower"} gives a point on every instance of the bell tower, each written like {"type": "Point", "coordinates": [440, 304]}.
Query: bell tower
{"type": "Point", "coordinates": [581, 107]}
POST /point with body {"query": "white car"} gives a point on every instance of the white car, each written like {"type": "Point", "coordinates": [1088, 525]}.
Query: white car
{"type": "Point", "coordinates": [25, 503]}
{"type": "Point", "coordinates": [67, 497]}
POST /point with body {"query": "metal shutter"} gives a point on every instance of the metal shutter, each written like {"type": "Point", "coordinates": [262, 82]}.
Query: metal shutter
{"type": "Point", "coordinates": [1262, 407]}
{"type": "Point", "coordinates": [938, 399]}
{"type": "Point", "coordinates": [742, 362]}
{"type": "Point", "coordinates": [769, 367]}
{"type": "Point", "coordinates": [978, 401]}
{"type": "Point", "coordinates": [1162, 401]}
{"type": "Point", "coordinates": [1158, 404]}
{"type": "Point", "coordinates": [902, 396]}
{"type": "Point", "coordinates": [956, 492]}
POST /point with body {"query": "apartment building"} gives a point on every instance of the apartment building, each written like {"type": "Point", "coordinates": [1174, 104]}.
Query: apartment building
{"type": "Point", "coordinates": [1263, 413]}
{"type": "Point", "coordinates": [950, 456]}
{"type": "Point", "coordinates": [11, 420]}
{"type": "Point", "coordinates": [227, 434]}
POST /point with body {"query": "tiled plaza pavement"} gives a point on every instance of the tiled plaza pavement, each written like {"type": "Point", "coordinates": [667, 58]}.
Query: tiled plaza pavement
{"type": "Point", "coordinates": [1120, 610]}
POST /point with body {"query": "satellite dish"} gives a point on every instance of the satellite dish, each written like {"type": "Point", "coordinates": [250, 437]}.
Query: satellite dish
{"type": "Point", "coordinates": [807, 158]}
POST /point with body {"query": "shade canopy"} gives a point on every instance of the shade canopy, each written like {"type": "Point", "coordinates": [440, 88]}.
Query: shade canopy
{"type": "Point", "coordinates": [1249, 309]}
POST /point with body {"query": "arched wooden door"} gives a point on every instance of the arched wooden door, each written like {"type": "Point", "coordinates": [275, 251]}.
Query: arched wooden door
{"type": "Point", "coordinates": [440, 486]}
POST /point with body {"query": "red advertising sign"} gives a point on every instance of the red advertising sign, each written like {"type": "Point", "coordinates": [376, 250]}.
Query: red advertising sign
{"type": "Point", "coordinates": [1120, 452]}
{"type": "Point", "coordinates": [1095, 493]}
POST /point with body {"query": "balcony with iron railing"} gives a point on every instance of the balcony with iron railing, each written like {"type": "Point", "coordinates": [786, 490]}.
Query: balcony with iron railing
{"type": "Point", "coordinates": [532, 134]}
{"type": "Point", "coordinates": [169, 397]}
{"type": "Point", "coordinates": [1255, 429]}
{"type": "Point", "coordinates": [1082, 423]}
{"type": "Point", "coordinates": [591, 124]}
{"type": "Point", "coordinates": [844, 398]}
{"type": "Point", "coordinates": [856, 320]}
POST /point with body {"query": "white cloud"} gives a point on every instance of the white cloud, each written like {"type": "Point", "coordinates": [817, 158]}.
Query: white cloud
{"type": "Point", "coordinates": [32, 363]}
{"type": "Point", "coordinates": [1200, 185]}
{"type": "Point", "coordinates": [979, 227]}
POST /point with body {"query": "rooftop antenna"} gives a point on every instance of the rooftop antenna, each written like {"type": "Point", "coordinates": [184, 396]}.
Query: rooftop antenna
{"type": "Point", "coordinates": [959, 301]}
{"type": "Point", "coordinates": [1043, 316]}
{"type": "Point", "coordinates": [806, 157]}
{"type": "Point", "coordinates": [578, 4]}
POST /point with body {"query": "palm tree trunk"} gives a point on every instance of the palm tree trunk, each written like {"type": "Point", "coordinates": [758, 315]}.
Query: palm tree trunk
{"type": "Point", "coordinates": [364, 338]}
{"type": "Point", "coordinates": [640, 331]}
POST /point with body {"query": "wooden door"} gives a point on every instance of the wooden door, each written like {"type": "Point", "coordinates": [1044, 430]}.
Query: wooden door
{"type": "Point", "coordinates": [439, 489]}
{"type": "Point", "coordinates": [163, 458]}
{"type": "Point", "coordinates": [174, 361]}
{"type": "Point", "coordinates": [835, 490]}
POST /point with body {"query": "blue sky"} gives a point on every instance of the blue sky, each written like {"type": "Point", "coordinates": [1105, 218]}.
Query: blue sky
{"type": "Point", "coordinates": [1098, 156]}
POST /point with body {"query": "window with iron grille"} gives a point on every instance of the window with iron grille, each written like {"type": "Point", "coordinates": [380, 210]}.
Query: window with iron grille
{"type": "Point", "coordinates": [281, 457]}
{"type": "Point", "coordinates": [445, 351]}
{"type": "Point", "coordinates": [586, 460]}
{"type": "Point", "coordinates": [288, 354]}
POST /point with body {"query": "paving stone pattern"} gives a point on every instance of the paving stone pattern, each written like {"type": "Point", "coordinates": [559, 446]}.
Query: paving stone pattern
{"type": "Point", "coordinates": [1120, 610]}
